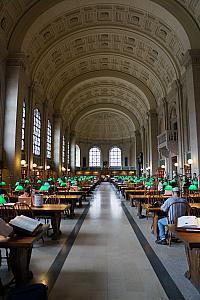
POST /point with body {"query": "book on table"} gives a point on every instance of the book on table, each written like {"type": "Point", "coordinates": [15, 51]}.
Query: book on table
{"type": "Point", "coordinates": [25, 225]}
{"type": "Point", "coordinates": [188, 223]}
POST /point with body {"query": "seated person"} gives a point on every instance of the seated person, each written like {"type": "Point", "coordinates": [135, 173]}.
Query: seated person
{"type": "Point", "coordinates": [27, 193]}
{"type": "Point", "coordinates": [3, 191]}
{"type": "Point", "coordinates": [163, 222]}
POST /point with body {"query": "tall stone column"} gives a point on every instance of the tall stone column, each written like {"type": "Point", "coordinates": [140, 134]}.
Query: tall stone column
{"type": "Point", "coordinates": [138, 147]}
{"type": "Point", "coordinates": [153, 144]}
{"type": "Point", "coordinates": [29, 129]}
{"type": "Point", "coordinates": [192, 64]}
{"type": "Point", "coordinates": [57, 142]}
{"type": "Point", "coordinates": [132, 153]}
{"type": "Point", "coordinates": [181, 136]}
{"type": "Point", "coordinates": [13, 114]}
{"type": "Point", "coordinates": [144, 146]}
{"type": "Point", "coordinates": [72, 151]}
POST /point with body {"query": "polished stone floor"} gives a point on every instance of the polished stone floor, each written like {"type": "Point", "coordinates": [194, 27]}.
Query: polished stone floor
{"type": "Point", "coordinates": [105, 260]}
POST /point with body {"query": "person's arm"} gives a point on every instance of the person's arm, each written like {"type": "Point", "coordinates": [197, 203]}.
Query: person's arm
{"type": "Point", "coordinates": [165, 205]}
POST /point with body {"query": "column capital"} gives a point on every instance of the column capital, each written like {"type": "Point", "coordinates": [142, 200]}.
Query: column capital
{"type": "Point", "coordinates": [192, 57]}
{"type": "Point", "coordinates": [17, 60]}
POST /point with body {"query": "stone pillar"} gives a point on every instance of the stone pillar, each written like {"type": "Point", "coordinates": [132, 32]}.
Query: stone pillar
{"type": "Point", "coordinates": [29, 129]}
{"type": "Point", "coordinates": [138, 148]}
{"type": "Point", "coordinates": [181, 136]}
{"type": "Point", "coordinates": [144, 146]}
{"type": "Point", "coordinates": [13, 114]}
{"type": "Point", "coordinates": [153, 144]}
{"type": "Point", "coordinates": [165, 106]}
{"type": "Point", "coordinates": [43, 154]}
{"type": "Point", "coordinates": [72, 151]}
{"type": "Point", "coordinates": [132, 161]}
{"type": "Point", "coordinates": [192, 64]}
{"type": "Point", "coordinates": [57, 142]}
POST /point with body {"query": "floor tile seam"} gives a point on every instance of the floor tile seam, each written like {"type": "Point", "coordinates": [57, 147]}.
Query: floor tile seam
{"type": "Point", "coordinates": [167, 282]}
{"type": "Point", "coordinates": [54, 271]}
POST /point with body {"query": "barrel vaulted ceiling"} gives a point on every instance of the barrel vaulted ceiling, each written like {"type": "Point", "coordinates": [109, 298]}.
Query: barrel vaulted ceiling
{"type": "Point", "coordinates": [112, 58]}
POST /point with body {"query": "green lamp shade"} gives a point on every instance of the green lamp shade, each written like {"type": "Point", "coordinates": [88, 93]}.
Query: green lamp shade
{"type": "Point", "coordinates": [173, 180]}
{"type": "Point", "coordinates": [195, 182]}
{"type": "Point", "coordinates": [165, 183]}
{"type": "Point", "coordinates": [50, 179]}
{"type": "Point", "coordinates": [2, 183]}
{"type": "Point", "coordinates": [138, 181]}
{"type": "Point", "coordinates": [63, 184]}
{"type": "Point", "coordinates": [44, 188]}
{"type": "Point", "coordinates": [17, 183]}
{"type": "Point", "coordinates": [168, 188]}
{"type": "Point", "coordinates": [19, 188]}
{"type": "Point", "coordinates": [39, 181]}
{"type": "Point", "coordinates": [193, 187]}
{"type": "Point", "coordinates": [46, 184]}
{"type": "Point", "coordinates": [27, 181]}
{"type": "Point", "coordinates": [148, 183]}
{"type": "Point", "coordinates": [2, 200]}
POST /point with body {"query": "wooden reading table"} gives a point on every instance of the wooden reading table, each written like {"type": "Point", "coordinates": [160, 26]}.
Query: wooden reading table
{"type": "Point", "coordinates": [20, 254]}
{"type": "Point", "coordinates": [191, 240]}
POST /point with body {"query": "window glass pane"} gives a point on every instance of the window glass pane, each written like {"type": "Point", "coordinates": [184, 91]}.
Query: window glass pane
{"type": "Point", "coordinates": [94, 157]}
{"type": "Point", "coordinates": [115, 157]}
{"type": "Point", "coordinates": [63, 150]}
{"type": "Point", "coordinates": [36, 132]}
{"type": "Point", "coordinates": [78, 156]}
{"type": "Point", "coordinates": [49, 139]}
{"type": "Point", "coordinates": [23, 125]}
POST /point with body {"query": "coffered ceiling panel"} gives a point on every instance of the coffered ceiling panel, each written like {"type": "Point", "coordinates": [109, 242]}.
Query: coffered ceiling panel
{"type": "Point", "coordinates": [104, 125]}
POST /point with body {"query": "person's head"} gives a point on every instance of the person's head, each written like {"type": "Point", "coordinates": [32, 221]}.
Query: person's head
{"type": "Point", "coordinates": [27, 192]}
{"type": "Point", "coordinates": [176, 192]}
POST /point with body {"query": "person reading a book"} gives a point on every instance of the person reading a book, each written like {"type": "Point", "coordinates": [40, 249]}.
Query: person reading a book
{"type": "Point", "coordinates": [162, 223]}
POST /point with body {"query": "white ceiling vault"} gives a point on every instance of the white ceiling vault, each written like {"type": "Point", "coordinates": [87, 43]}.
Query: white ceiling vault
{"type": "Point", "coordinates": [102, 61]}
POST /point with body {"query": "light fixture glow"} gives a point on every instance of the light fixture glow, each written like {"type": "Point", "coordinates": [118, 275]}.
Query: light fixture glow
{"type": "Point", "coordinates": [190, 161]}
{"type": "Point", "coordinates": [23, 162]}
{"type": "Point", "coordinates": [34, 165]}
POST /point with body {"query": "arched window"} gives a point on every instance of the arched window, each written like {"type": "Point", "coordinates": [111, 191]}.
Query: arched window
{"type": "Point", "coordinates": [68, 154]}
{"type": "Point", "coordinates": [49, 139]}
{"type": "Point", "coordinates": [78, 156]}
{"type": "Point", "coordinates": [63, 150]}
{"type": "Point", "coordinates": [23, 125]}
{"type": "Point", "coordinates": [36, 132]}
{"type": "Point", "coordinates": [94, 157]}
{"type": "Point", "coordinates": [115, 157]}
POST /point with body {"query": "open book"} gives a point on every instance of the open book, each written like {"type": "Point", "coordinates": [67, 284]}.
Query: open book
{"type": "Point", "coordinates": [188, 222]}
{"type": "Point", "coordinates": [25, 225]}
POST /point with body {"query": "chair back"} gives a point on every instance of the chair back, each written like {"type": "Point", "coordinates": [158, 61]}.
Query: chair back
{"type": "Point", "coordinates": [52, 200]}
{"type": "Point", "coordinates": [176, 210]}
{"type": "Point", "coordinates": [7, 213]}
{"type": "Point", "coordinates": [23, 209]}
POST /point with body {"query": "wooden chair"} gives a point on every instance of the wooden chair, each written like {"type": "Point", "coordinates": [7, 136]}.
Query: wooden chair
{"type": "Point", "coordinates": [6, 213]}
{"type": "Point", "coordinates": [23, 209]}
{"type": "Point", "coordinates": [176, 210]}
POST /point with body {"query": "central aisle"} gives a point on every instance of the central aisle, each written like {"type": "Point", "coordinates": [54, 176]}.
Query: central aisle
{"type": "Point", "coordinates": [107, 262]}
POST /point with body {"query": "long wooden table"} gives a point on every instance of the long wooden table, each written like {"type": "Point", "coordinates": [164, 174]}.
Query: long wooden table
{"type": "Point", "coordinates": [20, 254]}
{"type": "Point", "coordinates": [191, 240]}
{"type": "Point", "coordinates": [69, 199]}
{"type": "Point", "coordinates": [52, 210]}
{"type": "Point", "coordinates": [142, 198]}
